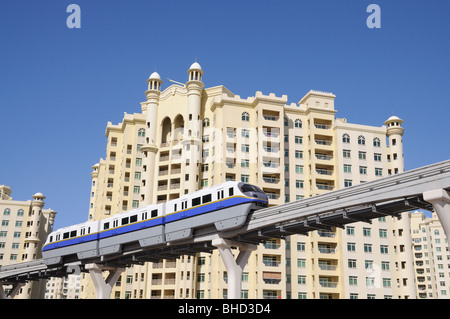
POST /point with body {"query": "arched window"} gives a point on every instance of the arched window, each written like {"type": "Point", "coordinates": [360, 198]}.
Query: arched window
{"type": "Point", "coordinates": [298, 123]}
{"type": "Point", "coordinates": [361, 140]}
{"type": "Point", "coordinates": [206, 122]}
{"type": "Point", "coordinates": [376, 142]}
{"type": "Point", "coordinates": [20, 212]}
{"type": "Point", "coordinates": [346, 138]}
{"type": "Point", "coordinates": [141, 132]}
{"type": "Point", "coordinates": [245, 117]}
{"type": "Point", "coordinates": [436, 232]}
{"type": "Point", "coordinates": [7, 212]}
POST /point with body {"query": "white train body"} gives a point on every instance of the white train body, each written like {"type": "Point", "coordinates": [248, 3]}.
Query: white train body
{"type": "Point", "coordinates": [226, 206]}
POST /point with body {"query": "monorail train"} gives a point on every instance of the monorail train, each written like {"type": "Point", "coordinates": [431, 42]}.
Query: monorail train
{"type": "Point", "coordinates": [226, 206]}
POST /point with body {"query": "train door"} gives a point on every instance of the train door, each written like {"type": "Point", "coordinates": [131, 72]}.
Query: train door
{"type": "Point", "coordinates": [115, 224]}
{"type": "Point", "coordinates": [220, 197]}
{"type": "Point", "coordinates": [57, 239]}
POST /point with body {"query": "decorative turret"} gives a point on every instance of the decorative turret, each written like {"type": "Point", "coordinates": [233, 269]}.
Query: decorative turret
{"type": "Point", "coordinates": [192, 143]}
{"type": "Point", "coordinates": [150, 148]}
{"type": "Point", "coordinates": [394, 133]}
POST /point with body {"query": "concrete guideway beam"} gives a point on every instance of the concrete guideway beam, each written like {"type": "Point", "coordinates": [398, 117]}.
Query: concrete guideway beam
{"type": "Point", "coordinates": [440, 199]}
{"type": "Point", "coordinates": [103, 287]}
{"type": "Point", "coordinates": [234, 267]}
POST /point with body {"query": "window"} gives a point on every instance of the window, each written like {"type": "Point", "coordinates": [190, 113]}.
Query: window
{"type": "Point", "coordinates": [377, 157]}
{"type": "Point", "coordinates": [245, 163]}
{"type": "Point", "coordinates": [351, 246]}
{"type": "Point", "coordinates": [245, 117]}
{"type": "Point", "coordinates": [299, 184]}
{"type": "Point", "coordinates": [298, 140]}
{"type": "Point", "coordinates": [347, 168]}
{"type": "Point", "coordinates": [106, 226]}
{"type": "Point", "coordinates": [376, 142]}
{"type": "Point", "coordinates": [350, 230]}
{"type": "Point", "coordinates": [245, 178]}
{"type": "Point", "coordinates": [206, 122]}
{"type": "Point", "coordinates": [230, 191]}
{"type": "Point", "coordinates": [298, 123]}
{"type": "Point", "coordinates": [298, 154]}
{"type": "Point", "coordinates": [346, 138]}
{"type": "Point", "coordinates": [363, 170]}
{"type": "Point", "coordinates": [245, 133]}
{"type": "Point", "coordinates": [378, 172]}
{"type": "Point", "coordinates": [154, 213]}
{"type": "Point", "coordinates": [206, 198]}
{"type": "Point", "coordinates": [195, 201]}
{"type": "Point", "coordinates": [346, 153]}
{"type": "Point", "coordinates": [348, 182]}
{"type": "Point", "coordinates": [125, 220]}
{"type": "Point", "coordinates": [361, 140]}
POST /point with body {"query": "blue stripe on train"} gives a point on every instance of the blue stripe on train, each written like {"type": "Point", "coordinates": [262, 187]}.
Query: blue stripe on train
{"type": "Point", "coordinates": [153, 222]}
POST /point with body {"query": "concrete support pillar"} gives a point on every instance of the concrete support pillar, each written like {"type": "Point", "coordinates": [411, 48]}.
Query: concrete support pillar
{"type": "Point", "coordinates": [440, 198]}
{"type": "Point", "coordinates": [14, 291]}
{"type": "Point", "coordinates": [103, 287]}
{"type": "Point", "coordinates": [234, 267]}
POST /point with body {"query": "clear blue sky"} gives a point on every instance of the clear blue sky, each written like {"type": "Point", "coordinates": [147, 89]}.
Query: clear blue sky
{"type": "Point", "coordinates": [59, 87]}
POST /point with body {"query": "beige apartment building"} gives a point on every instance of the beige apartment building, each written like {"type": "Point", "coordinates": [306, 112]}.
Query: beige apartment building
{"type": "Point", "coordinates": [24, 228]}
{"type": "Point", "coordinates": [187, 137]}
{"type": "Point", "coordinates": [431, 257]}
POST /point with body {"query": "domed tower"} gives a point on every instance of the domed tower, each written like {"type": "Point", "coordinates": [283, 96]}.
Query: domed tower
{"type": "Point", "coordinates": [149, 149]}
{"type": "Point", "coordinates": [192, 143]}
{"type": "Point", "coordinates": [394, 134]}
{"type": "Point", "coordinates": [32, 239]}
{"type": "Point", "coordinates": [402, 239]}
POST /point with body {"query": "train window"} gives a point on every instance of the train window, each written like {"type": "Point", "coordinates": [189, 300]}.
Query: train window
{"type": "Point", "coordinates": [106, 226]}
{"type": "Point", "coordinates": [58, 237]}
{"type": "Point", "coordinates": [195, 201]}
{"type": "Point", "coordinates": [125, 220]}
{"type": "Point", "coordinates": [73, 233]}
{"type": "Point", "coordinates": [231, 191]}
{"type": "Point", "coordinates": [51, 238]}
{"type": "Point", "coordinates": [82, 231]}
{"type": "Point", "coordinates": [89, 230]}
{"type": "Point", "coordinates": [133, 219]}
{"type": "Point", "coordinates": [154, 213]}
{"type": "Point", "coordinates": [144, 215]}
{"type": "Point", "coordinates": [206, 198]}
{"type": "Point", "coordinates": [174, 207]}
{"type": "Point", "coordinates": [66, 235]}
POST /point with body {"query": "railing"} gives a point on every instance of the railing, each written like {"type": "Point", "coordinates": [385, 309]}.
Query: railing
{"type": "Point", "coordinates": [322, 126]}
{"type": "Point", "coordinates": [324, 157]}
{"type": "Point", "coordinates": [325, 187]}
{"type": "Point", "coordinates": [323, 142]}
{"type": "Point", "coordinates": [324, 171]}
{"type": "Point", "coordinates": [270, 117]}
{"type": "Point", "coordinates": [271, 180]}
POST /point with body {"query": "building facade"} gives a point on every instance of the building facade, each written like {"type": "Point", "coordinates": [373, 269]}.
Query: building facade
{"type": "Point", "coordinates": [188, 137]}
{"type": "Point", "coordinates": [431, 257]}
{"type": "Point", "coordinates": [24, 229]}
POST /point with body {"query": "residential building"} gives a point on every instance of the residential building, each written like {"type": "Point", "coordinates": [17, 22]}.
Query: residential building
{"type": "Point", "coordinates": [431, 257]}
{"type": "Point", "coordinates": [187, 137]}
{"type": "Point", "coordinates": [24, 228]}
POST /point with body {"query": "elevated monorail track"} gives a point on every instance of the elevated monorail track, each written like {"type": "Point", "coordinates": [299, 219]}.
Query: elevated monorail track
{"type": "Point", "coordinates": [389, 196]}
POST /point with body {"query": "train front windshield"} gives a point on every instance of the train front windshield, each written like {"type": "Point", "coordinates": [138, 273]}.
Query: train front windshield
{"type": "Point", "coordinates": [250, 188]}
